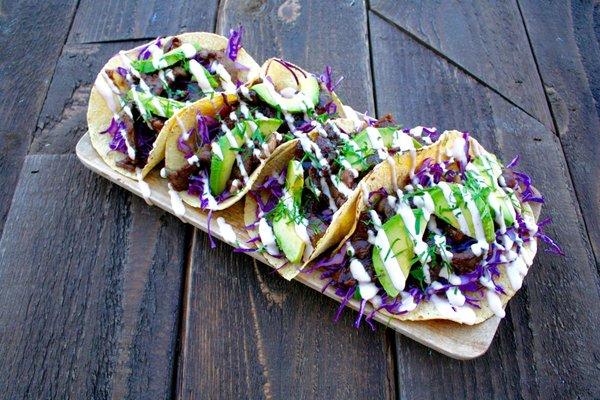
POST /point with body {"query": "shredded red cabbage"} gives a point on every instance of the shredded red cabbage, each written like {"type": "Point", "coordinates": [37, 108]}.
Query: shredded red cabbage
{"type": "Point", "coordinates": [184, 147]}
{"type": "Point", "coordinates": [553, 247]}
{"type": "Point", "coordinates": [202, 132]}
{"type": "Point", "coordinates": [234, 43]}
{"type": "Point", "coordinates": [117, 142]}
{"type": "Point", "coordinates": [330, 108]}
{"type": "Point", "coordinates": [327, 79]}
{"type": "Point", "coordinates": [122, 71]}
{"type": "Point", "coordinates": [145, 53]}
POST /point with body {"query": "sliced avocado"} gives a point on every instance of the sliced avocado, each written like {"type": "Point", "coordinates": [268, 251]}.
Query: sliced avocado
{"type": "Point", "coordinates": [268, 125]}
{"type": "Point", "coordinates": [443, 211]}
{"type": "Point", "coordinates": [288, 240]}
{"type": "Point", "coordinates": [148, 103]}
{"type": "Point", "coordinates": [364, 143]}
{"type": "Point", "coordinates": [221, 167]}
{"type": "Point", "coordinates": [489, 169]}
{"type": "Point", "coordinates": [294, 180]}
{"type": "Point", "coordinates": [166, 60]}
{"type": "Point", "coordinates": [307, 98]}
{"type": "Point", "coordinates": [402, 247]}
{"type": "Point", "coordinates": [284, 228]}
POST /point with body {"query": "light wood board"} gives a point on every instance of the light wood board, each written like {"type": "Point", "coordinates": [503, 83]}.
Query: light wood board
{"type": "Point", "coordinates": [454, 340]}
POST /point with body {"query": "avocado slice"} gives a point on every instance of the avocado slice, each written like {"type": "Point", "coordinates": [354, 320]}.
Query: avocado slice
{"type": "Point", "coordinates": [402, 247]}
{"type": "Point", "coordinates": [182, 52]}
{"type": "Point", "coordinates": [160, 106]}
{"type": "Point", "coordinates": [267, 126]}
{"type": "Point", "coordinates": [307, 98]}
{"type": "Point", "coordinates": [450, 214]}
{"type": "Point", "coordinates": [489, 170]}
{"type": "Point", "coordinates": [221, 167]}
{"type": "Point", "coordinates": [366, 148]}
{"type": "Point", "coordinates": [284, 227]}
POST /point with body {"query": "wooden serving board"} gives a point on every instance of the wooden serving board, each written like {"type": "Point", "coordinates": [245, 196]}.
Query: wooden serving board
{"type": "Point", "coordinates": [449, 338]}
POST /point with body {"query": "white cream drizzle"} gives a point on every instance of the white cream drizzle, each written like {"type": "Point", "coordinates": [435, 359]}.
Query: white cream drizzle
{"type": "Point", "coordinates": [377, 142]}
{"type": "Point", "coordinates": [267, 237]}
{"type": "Point", "coordinates": [198, 72]}
{"type": "Point", "coordinates": [226, 231]}
{"type": "Point", "coordinates": [176, 202]}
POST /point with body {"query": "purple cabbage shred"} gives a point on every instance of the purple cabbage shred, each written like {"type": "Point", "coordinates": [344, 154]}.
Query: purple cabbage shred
{"type": "Point", "coordinates": [327, 79]}
{"type": "Point", "coordinates": [234, 43]}
{"type": "Point", "coordinates": [117, 142]}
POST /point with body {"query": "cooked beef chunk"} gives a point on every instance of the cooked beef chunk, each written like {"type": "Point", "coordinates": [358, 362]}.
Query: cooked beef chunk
{"type": "Point", "coordinates": [454, 234]}
{"type": "Point", "coordinates": [154, 83]}
{"type": "Point", "coordinates": [180, 179]}
{"type": "Point", "coordinates": [465, 261]}
{"type": "Point", "coordinates": [173, 44]}
{"type": "Point", "coordinates": [180, 73]}
{"type": "Point", "coordinates": [157, 124]}
{"type": "Point", "coordinates": [348, 178]}
{"type": "Point", "coordinates": [204, 154]}
{"type": "Point", "coordinates": [385, 121]}
{"type": "Point", "coordinates": [338, 197]}
{"type": "Point", "coordinates": [362, 248]}
{"type": "Point", "coordinates": [327, 148]}
{"type": "Point", "coordinates": [509, 178]}
{"type": "Point", "coordinates": [127, 164]}
{"type": "Point", "coordinates": [361, 231]}
{"type": "Point", "coordinates": [383, 207]}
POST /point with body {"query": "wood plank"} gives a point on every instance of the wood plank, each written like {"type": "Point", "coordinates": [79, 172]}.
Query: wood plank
{"type": "Point", "coordinates": [548, 346]}
{"type": "Point", "coordinates": [98, 21]}
{"type": "Point", "coordinates": [304, 33]}
{"type": "Point", "coordinates": [249, 333]}
{"type": "Point", "coordinates": [486, 39]}
{"type": "Point", "coordinates": [62, 120]}
{"type": "Point", "coordinates": [90, 288]}
{"type": "Point", "coordinates": [565, 40]}
{"type": "Point", "coordinates": [31, 40]}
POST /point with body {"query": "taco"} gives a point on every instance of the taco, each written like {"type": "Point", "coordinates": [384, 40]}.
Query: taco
{"type": "Point", "coordinates": [217, 147]}
{"type": "Point", "coordinates": [451, 237]}
{"type": "Point", "coordinates": [138, 90]}
{"type": "Point", "coordinates": [303, 203]}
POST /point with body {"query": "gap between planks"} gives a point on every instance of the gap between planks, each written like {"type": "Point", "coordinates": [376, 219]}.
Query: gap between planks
{"type": "Point", "coordinates": [456, 64]}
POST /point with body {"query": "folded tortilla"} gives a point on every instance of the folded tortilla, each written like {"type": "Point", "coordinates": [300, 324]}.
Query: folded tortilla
{"type": "Point", "coordinates": [390, 177]}
{"type": "Point", "coordinates": [104, 103]}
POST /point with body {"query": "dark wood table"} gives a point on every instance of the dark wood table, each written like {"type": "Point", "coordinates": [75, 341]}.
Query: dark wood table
{"type": "Point", "coordinates": [103, 297]}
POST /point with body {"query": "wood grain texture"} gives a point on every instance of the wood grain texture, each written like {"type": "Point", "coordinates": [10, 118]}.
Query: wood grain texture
{"type": "Point", "coordinates": [62, 120]}
{"type": "Point", "coordinates": [486, 39]}
{"type": "Point", "coordinates": [566, 43]}
{"type": "Point", "coordinates": [556, 348]}
{"type": "Point", "coordinates": [90, 288]}
{"type": "Point", "coordinates": [311, 34]}
{"type": "Point", "coordinates": [31, 39]}
{"type": "Point", "coordinates": [113, 20]}
{"type": "Point", "coordinates": [251, 334]}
